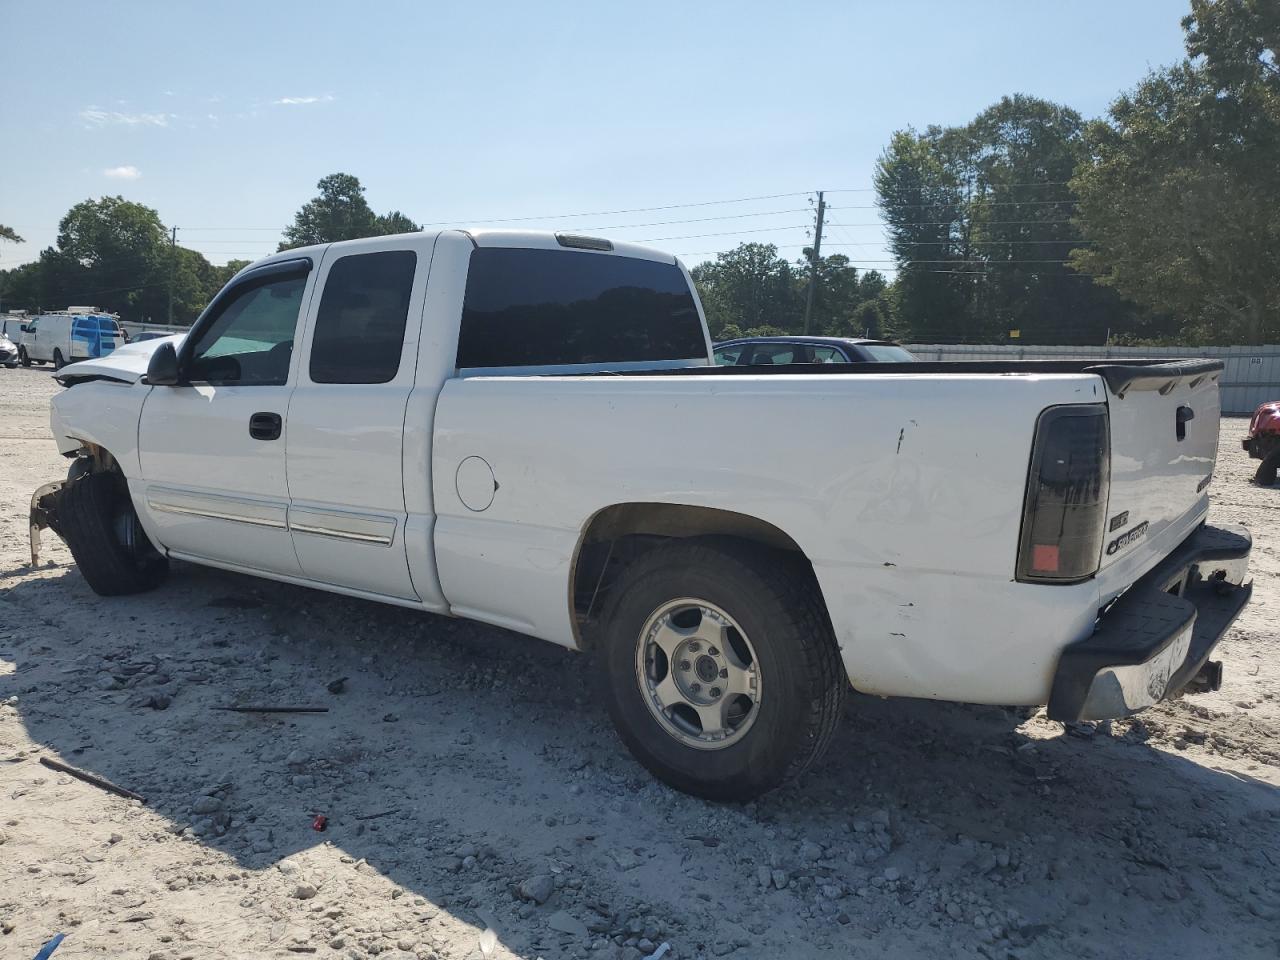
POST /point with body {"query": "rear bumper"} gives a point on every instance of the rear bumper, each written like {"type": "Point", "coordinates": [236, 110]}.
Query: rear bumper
{"type": "Point", "coordinates": [1156, 637]}
{"type": "Point", "coordinates": [1259, 446]}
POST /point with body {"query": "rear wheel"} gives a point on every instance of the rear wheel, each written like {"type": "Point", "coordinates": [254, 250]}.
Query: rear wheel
{"type": "Point", "coordinates": [1267, 470]}
{"type": "Point", "coordinates": [99, 525]}
{"type": "Point", "coordinates": [23, 358]}
{"type": "Point", "coordinates": [58, 362]}
{"type": "Point", "coordinates": [722, 674]}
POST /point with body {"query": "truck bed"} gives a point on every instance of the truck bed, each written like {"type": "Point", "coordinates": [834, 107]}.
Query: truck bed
{"type": "Point", "coordinates": [1119, 376]}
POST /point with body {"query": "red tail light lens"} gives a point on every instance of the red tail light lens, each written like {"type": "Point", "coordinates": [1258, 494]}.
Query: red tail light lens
{"type": "Point", "coordinates": [1066, 499]}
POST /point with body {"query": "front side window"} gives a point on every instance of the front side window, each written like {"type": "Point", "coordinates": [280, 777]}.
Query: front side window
{"type": "Point", "coordinates": [360, 326]}
{"type": "Point", "coordinates": [250, 340]}
{"type": "Point", "coordinates": [727, 356]}
{"type": "Point", "coordinates": [527, 307]}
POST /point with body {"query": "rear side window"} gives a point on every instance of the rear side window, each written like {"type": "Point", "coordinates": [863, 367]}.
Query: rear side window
{"type": "Point", "coordinates": [360, 325]}
{"type": "Point", "coordinates": [553, 307]}
{"type": "Point", "coordinates": [881, 353]}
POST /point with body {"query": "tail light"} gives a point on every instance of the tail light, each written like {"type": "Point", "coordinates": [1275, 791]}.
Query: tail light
{"type": "Point", "coordinates": [1066, 502]}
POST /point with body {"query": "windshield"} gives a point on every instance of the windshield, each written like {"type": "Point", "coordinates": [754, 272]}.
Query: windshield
{"type": "Point", "coordinates": [881, 353]}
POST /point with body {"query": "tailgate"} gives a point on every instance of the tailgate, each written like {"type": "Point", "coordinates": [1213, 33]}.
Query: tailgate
{"type": "Point", "coordinates": [1164, 442]}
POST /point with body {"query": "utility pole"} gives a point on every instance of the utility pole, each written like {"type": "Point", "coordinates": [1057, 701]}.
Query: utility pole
{"type": "Point", "coordinates": [814, 260]}
{"type": "Point", "coordinates": [173, 254]}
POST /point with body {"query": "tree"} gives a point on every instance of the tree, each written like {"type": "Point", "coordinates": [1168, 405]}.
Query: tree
{"type": "Point", "coordinates": [1180, 191]}
{"type": "Point", "coordinates": [223, 274]}
{"type": "Point", "coordinates": [979, 221]}
{"type": "Point", "coordinates": [7, 233]}
{"type": "Point", "coordinates": [749, 287]}
{"type": "Point", "coordinates": [111, 253]}
{"type": "Point", "coordinates": [341, 212]}
{"type": "Point", "coordinates": [919, 192]}
{"type": "Point", "coordinates": [836, 295]}
{"type": "Point", "coordinates": [395, 222]}
{"type": "Point", "coordinates": [114, 254]}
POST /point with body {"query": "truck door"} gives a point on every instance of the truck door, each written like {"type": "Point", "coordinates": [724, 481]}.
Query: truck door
{"type": "Point", "coordinates": [347, 416]}
{"type": "Point", "coordinates": [212, 449]}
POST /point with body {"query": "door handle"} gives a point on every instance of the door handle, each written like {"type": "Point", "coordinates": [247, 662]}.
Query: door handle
{"type": "Point", "coordinates": [1181, 418]}
{"type": "Point", "coordinates": [265, 426]}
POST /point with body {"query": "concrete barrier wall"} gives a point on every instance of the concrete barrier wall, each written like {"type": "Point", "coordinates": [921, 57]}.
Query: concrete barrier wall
{"type": "Point", "coordinates": [1251, 377]}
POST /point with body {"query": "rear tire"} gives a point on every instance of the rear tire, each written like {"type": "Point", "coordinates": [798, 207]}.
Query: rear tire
{"type": "Point", "coordinates": [766, 611]}
{"type": "Point", "coordinates": [99, 525]}
{"type": "Point", "coordinates": [58, 362]}
{"type": "Point", "coordinates": [1267, 470]}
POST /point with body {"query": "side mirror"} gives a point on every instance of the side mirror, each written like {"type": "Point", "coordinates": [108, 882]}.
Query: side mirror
{"type": "Point", "coordinates": [24, 329]}
{"type": "Point", "coordinates": [162, 371]}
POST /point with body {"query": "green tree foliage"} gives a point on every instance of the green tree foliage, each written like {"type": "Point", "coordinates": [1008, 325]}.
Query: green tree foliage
{"type": "Point", "coordinates": [7, 233]}
{"type": "Point", "coordinates": [224, 273]}
{"type": "Point", "coordinates": [394, 222]}
{"type": "Point", "coordinates": [114, 254]}
{"type": "Point", "coordinates": [749, 287]}
{"type": "Point", "coordinates": [1182, 186]}
{"type": "Point", "coordinates": [980, 223]}
{"type": "Point", "coordinates": [340, 212]}
{"type": "Point", "coordinates": [751, 291]}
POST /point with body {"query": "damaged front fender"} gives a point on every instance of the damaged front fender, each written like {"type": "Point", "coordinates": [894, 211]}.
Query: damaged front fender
{"type": "Point", "coordinates": [44, 514]}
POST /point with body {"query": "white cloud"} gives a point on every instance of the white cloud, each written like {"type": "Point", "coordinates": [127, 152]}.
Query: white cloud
{"type": "Point", "coordinates": [294, 101]}
{"type": "Point", "coordinates": [127, 172]}
{"type": "Point", "coordinates": [94, 117]}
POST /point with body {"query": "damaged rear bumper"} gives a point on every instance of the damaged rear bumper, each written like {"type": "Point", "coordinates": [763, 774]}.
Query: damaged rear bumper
{"type": "Point", "coordinates": [1156, 638]}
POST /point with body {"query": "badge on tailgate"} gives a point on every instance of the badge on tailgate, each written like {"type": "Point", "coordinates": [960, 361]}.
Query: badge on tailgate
{"type": "Point", "coordinates": [1122, 541]}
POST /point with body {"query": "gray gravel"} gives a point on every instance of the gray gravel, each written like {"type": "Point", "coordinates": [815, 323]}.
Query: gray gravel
{"type": "Point", "coordinates": [498, 816]}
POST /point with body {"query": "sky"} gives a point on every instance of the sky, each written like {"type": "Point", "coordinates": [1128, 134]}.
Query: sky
{"type": "Point", "coordinates": [691, 126]}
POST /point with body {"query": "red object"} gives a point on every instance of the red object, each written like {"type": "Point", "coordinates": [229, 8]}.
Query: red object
{"type": "Point", "coordinates": [320, 822]}
{"type": "Point", "coordinates": [1044, 558]}
{"type": "Point", "coordinates": [1266, 419]}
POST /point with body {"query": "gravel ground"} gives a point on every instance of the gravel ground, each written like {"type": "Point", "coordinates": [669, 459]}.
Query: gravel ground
{"type": "Point", "coordinates": [478, 804]}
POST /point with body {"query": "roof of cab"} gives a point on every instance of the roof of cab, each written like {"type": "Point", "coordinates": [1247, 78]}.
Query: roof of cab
{"type": "Point", "coordinates": [484, 237]}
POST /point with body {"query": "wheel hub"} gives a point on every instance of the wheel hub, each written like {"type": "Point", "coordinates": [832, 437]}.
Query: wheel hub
{"type": "Point", "coordinates": [698, 674]}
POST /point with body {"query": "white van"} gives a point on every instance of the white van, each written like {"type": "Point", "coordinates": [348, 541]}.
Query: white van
{"type": "Point", "coordinates": [61, 338]}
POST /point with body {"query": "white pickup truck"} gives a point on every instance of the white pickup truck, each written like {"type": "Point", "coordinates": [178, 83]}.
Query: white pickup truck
{"type": "Point", "coordinates": [527, 429]}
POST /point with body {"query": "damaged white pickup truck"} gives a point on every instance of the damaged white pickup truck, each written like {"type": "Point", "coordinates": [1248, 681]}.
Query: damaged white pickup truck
{"type": "Point", "coordinates": [527, 430]}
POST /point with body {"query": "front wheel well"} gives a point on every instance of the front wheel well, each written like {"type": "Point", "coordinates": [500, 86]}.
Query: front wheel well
{"type": "Point", "coordinates": [98, 458]}
{"type": "Point", "coordinates": [617, 535]}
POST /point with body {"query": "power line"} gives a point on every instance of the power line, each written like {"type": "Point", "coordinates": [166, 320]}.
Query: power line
{"type": "Point", "coordinates": [612, 213]}
{"type": "Point", "coordinates": [948, 243]}
{"type": "Point", "coordinates": [727, 233]}
{"type": "Point", "coordinates": [943, 223]}
{"type": "Point", "coordinates": [957, 203]}
{"type": "Point", "coordinates": [991, 186]}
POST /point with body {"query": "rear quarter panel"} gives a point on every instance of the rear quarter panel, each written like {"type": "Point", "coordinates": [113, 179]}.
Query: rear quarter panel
{"type": "Point", "coordinates": [905, 492]}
